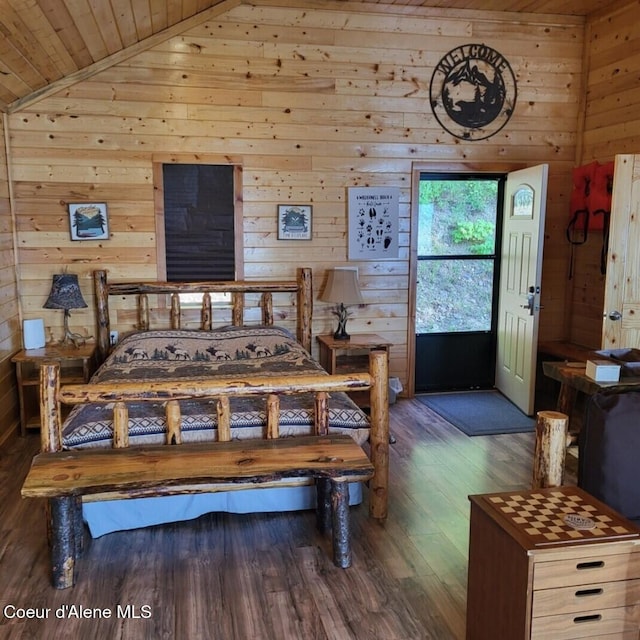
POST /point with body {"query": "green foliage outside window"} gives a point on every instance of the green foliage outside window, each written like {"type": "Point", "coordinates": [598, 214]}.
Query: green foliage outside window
{"type": "Point", "coordinates": [456, 218]}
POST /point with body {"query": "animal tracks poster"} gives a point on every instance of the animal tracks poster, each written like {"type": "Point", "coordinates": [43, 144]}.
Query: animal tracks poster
{"type": "Point", "coordinates": [373, 223]}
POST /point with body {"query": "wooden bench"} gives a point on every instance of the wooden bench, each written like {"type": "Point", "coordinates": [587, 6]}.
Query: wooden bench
{"type": "Point", "coordinates": [64, 477]}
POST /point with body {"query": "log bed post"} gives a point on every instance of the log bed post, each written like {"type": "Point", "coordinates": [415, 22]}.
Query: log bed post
{"type": "Point", "coordinates": [102, 312]}
{"type": "Point", "coordinates": [174, 420]}
{"type": "Point", "coordinates": [175, 311]}
{"type": "Point", "coordinates": [379, 435]}
{"type": "Point", "coordinates": [143, 312]}
{"type": "Point", "coordinates": [206, 313]}
{"type": "Point", "coordinates": [237, 312]}
{"type": "Point", "coordinates": [223, 410]}
{"type": "Point", "coordinates": [304, 305]}
{"type": "Point", "coordinates": [64, 515]}
{"type": "Point", "coordinates": [120, 425]}
{"type": "Point", "coordinates": [50, 413]}
{"type": "Point", "coordinates": [267, 309]}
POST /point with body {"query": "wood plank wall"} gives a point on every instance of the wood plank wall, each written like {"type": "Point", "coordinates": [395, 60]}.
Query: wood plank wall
{"type": "Point", "coordinates": [611, 126]}
{"type": "Point", "coordinates": [10, 335]}
{"type": "Point", "coordinates": [310, 102]}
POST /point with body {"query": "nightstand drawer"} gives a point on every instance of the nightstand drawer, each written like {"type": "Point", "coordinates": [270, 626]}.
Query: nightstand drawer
{"type": "Point", "coordinates": [605, 595]}
{"type": "Point", "coordinates": [586, 570]}
{"type": "Point", "coordinates": [588, 624]}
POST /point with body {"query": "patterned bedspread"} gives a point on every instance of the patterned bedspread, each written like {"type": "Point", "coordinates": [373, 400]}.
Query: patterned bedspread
{"type": "Point", "coordinates": [226, 353]}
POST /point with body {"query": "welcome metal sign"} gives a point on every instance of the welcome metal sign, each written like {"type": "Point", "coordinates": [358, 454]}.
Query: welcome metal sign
{"type": "Point", "coordinates": [473, 92]}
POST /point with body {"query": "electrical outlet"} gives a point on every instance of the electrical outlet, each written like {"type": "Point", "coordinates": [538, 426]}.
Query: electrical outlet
{"type": "Point", "coordinates": [113, 337]}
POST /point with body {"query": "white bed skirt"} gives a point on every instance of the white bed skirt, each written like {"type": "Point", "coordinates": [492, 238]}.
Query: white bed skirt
{"type": "Point", "coordinates": [121, 515]}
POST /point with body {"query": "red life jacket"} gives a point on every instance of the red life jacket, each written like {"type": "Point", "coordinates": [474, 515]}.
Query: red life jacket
{"type": "Point", "coordinates": [590, 206]}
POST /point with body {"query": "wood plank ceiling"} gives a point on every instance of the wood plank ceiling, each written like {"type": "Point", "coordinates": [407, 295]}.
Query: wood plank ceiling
{"type": "Point", "coordinates": [50, 43]}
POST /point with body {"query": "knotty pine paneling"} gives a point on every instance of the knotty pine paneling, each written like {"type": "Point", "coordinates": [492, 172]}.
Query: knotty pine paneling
{"type": "Point", "coordinates": [611, 126]}
{"type": "Point", "coordinates": [310, 102]}
{"type": "Point", "coordinates": [10, 334]}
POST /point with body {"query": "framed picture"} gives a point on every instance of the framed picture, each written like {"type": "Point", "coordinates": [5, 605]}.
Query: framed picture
{"type": "Point", "coordinates": [88, 221]}
{"type": "Point", "coordinates": [373, 223]}
{"type": "Point", "coordinates": [294, 222]}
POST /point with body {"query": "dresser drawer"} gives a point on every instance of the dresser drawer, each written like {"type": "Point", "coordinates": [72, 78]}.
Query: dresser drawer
{"type": "Point", "coordinates": [598, 595]}
{"type": "Point", "coordinates": [586, 570]}
{"type": "Point", "coordinates": [620, 622]}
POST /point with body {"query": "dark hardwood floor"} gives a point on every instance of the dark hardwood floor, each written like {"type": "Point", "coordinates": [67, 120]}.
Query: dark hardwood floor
{"type": "Point", "coordinates": [267, 576]}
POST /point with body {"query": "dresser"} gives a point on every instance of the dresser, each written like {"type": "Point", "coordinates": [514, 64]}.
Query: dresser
{"type": "Point", "coordinates": [551, 564]}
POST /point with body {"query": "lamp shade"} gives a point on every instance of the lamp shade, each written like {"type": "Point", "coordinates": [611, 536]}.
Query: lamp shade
{"type": "Point", "coordinates": [65, 293]}
{"type": "Point", "coordinates": [342, 287]}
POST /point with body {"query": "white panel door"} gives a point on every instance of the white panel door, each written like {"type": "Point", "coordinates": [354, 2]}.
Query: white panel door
{"type": "Point", "coordinates": [520, 277]}
{"type": "Point", "coordinates": [621, 325]}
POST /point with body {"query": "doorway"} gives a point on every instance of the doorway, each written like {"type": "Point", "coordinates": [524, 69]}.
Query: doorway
{"type": "Point", "coordinates": [458, 275]}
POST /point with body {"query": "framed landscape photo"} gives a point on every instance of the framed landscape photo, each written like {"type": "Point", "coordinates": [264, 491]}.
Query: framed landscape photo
{"type": "Point", "coordinates": [89, 221]}
{"type": "Point", "coordinates": [294, 222]}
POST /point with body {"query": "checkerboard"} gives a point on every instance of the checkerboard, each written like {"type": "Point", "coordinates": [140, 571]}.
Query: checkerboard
{"type": "Point", "coordinates": [559, 516]}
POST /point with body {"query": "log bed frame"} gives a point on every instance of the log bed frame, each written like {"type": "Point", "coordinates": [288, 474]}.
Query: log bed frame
{"type": "Point", "coordinates": [67, 525]}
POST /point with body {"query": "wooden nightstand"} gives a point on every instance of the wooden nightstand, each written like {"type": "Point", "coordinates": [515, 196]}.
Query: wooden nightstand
{"type": "Point", "coordinates": [76, 365]}
{"type": "Point", "coordinates": [350, 356]}
{"type": "Point", "coordinates": [534, 576]}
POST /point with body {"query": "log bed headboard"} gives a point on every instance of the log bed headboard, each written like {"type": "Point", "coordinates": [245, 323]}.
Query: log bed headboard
{"type": "Point", "coordinates": [302, 287]}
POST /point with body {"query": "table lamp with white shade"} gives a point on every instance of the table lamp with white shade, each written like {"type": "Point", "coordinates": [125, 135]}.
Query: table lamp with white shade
{"type": "Point", "coordinates": [342, 288]}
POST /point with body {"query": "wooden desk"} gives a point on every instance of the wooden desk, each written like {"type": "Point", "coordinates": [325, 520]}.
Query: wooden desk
{"type": "Point", "coordinates": [574, 380]}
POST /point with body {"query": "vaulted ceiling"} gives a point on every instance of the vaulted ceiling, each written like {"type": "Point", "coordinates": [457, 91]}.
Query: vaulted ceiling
{"type": "Point", "coordinates": [46, 44]}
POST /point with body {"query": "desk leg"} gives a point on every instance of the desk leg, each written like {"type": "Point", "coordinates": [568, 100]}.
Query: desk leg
{"type": "Point", "coordinates": [566, 399]}
{"type": "Point", "coordinates": [566, 404]}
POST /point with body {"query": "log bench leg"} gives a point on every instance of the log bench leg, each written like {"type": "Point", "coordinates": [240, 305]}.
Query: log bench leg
{"type": "Point", "coordinates": [340, 521]}
{"type": "Point", "coordinates": [323, 504]}
{"type": "Point", "coordinates": [78, 528]}
{"type": "Point", "coordinates": [62, 527]}
{"type": "Point", "coordinates": [332, 512]}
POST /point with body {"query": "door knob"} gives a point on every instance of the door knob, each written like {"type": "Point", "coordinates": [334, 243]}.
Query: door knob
{"type": "Point", "coordinates": [614, 315]}
{"type": "Point", "coordinates": [530, 301]}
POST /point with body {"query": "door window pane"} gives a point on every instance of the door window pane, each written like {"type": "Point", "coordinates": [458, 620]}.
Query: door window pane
{"type": "Point", "coordinates": [454, 296]}
{"type": "Point", "coordinates": [457, 217]}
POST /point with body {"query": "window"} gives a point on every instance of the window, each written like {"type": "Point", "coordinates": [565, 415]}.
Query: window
{"type": "Point", "coordinates": [458, 222]}
{"type": "Point", "coordinates": [199, 222]}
